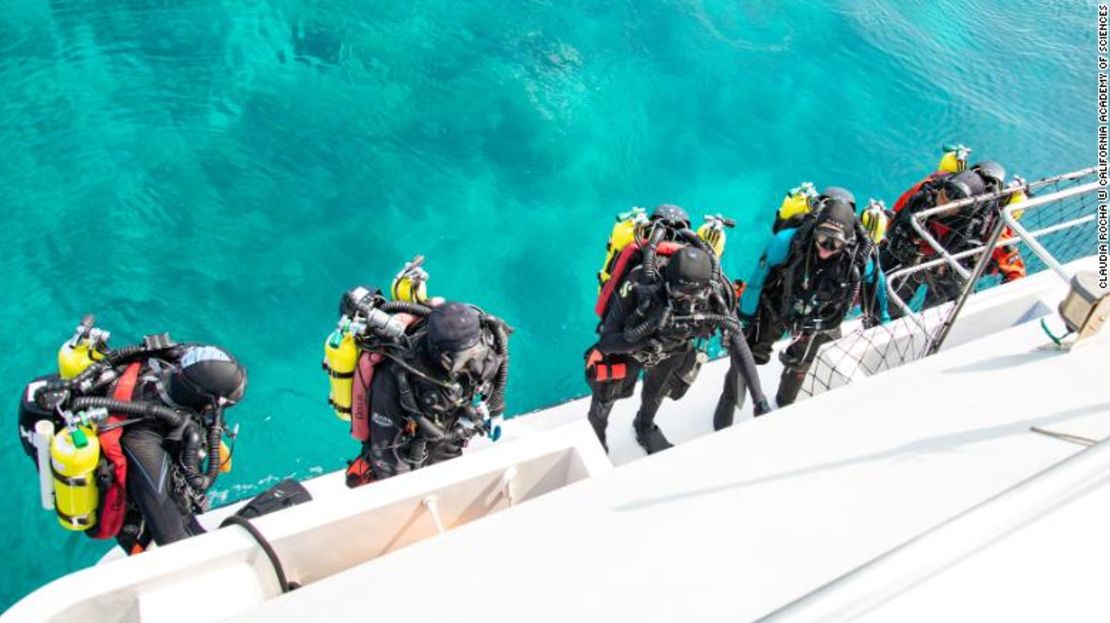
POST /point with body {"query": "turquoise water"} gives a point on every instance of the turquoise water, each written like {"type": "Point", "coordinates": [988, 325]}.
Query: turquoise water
{"type": "Point", "coordinates": [225, 169]}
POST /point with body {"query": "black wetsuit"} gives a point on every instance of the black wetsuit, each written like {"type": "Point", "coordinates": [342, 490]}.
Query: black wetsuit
{"type": "Point", "coordinates": [667, 357]}
{"type": "Point", "coordinates": [804, 296]}
{"type": "Point", "coordinates": [396, 444]}
{"type": "Point", "coordinates": [155, 489]}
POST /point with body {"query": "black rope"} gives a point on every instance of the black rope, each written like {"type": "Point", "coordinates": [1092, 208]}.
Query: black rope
{"type": "Point", "coordinates": [275, 562]}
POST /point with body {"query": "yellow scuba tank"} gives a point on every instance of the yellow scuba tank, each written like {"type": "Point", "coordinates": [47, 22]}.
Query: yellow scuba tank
{"type": "Point", "coordinates": [74, 455]}
{"type": "Point", "coordinates": [713, 232]}
{"type": "Point", "coordinates": [954, 159]}
{"type": "Point", "coordinates": [1018, 196]}
{"type": "Point", "coordinates": [628, 227]}
{"type": "Point", "coordinates": [797, 201]}
{"type": "Point", "coordinates": [340, 358]}
{"type": "Point", "coordinates": [80, 351]}
{"type": "Point", "coordinates": [875, 220]}
{"type": "Point", "coordinates": [410, 284]}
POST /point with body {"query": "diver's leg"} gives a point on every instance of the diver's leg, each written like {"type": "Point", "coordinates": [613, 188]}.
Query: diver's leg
{"type": "Point", "coordinates": [945, 286]}
{"type": "Point", "coordinates": [386, 457]}
{"type": "Point", "coordinates": [657, 385]}
{"type": "Point", "coordinates": [610, 379]}
{"type": "Point", "coordinates": [150, 485]}
{"type": "Point", "coordinates": [731, 396]}
{"type": "Point", "coordinates": [796, 360]}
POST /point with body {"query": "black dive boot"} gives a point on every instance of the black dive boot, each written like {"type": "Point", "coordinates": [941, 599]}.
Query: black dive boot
{"type": "Point", "coordinates": [650, 438]}
{"type": "Point", "coordinates": [789, 386]}
{"type": "Point", "coordinates": [599, 419]}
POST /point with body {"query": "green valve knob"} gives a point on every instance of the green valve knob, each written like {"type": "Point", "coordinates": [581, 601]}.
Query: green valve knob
{"type": "Point", "coordinates": [79, 438]}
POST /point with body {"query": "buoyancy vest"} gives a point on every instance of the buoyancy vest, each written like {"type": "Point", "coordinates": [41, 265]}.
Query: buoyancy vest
{"type": "Point", "coordinates": [114, 507]}
{"type": "Point", "coordinates": [834, 282]}
{"type": "Point", "coordinates": [628, 258]}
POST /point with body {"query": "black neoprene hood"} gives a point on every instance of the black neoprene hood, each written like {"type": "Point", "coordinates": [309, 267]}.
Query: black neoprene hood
{"type": "Point", "coordinates": [838, 217]}
{"type": "Point", "coordinates": [453, 327]}
{"type": "Point", "coordinates": [204, 375]}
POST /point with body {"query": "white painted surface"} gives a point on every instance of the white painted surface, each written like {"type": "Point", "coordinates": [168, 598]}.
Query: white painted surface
{"type": "Point", "coordinates": [214, 575]}
{"type": "Point", "coordinates": [1054, 570]}
{"type": "Point", "coordinates": [734, 525]}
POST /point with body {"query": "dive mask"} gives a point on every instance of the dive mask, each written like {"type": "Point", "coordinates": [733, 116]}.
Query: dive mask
{"type": "Point", "coordinates": [829, 240]}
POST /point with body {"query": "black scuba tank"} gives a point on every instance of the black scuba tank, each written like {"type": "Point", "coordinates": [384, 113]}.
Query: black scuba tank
{"type": "Point", "coordinates": [33, 409]}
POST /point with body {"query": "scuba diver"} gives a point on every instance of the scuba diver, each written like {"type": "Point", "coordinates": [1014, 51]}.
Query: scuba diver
{"type": "Point", "coordinates": [967, 227]}
{"type": "Point", "coordinates": [665, 297]}
{"type": "Point", "coordinates": [807, 280]}
{"type": "Point", "coordinates": [139, 434]}
{"type": "Point", "coordinates": [416, 377]}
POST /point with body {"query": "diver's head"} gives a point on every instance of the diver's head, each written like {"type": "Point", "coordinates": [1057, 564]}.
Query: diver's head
{"type": "Point", "coordinates": [992, 173]}
{"type": "Point", "coordinates": [960, 186]}
{"type": "Point", "coordinates": [835, 228]}
{"type": "Point", "coordinates": [206, 377]}
{"type": "Point", "coordinates": [688, 274]}
{"type": "Point", "coordinates": [671, 215]}
{"type": "Point", "coordinates": [836, 193]}
{"type": "Point", "coordinates": [455, 339]}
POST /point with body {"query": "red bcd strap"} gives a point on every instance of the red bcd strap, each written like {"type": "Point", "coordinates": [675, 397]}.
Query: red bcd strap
{"type": "Point", "coordinates": [622, 266]}
{"type": "Point", "coordinates": [114, 509]}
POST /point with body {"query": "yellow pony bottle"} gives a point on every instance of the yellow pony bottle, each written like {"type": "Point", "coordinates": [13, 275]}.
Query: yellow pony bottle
{"type": "Point", "coordinates": [629, 225]}
{"type": "Point", "coordinates": [74, 455]}
{"type": "Point", "coordinates": [340, 357]}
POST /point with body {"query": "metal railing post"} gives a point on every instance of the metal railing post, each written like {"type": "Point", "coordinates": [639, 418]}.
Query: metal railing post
{"type": "Point", "coordinates": [935, 343]}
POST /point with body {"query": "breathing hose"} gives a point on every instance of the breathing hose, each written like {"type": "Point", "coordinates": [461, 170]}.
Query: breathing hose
{"type": "Point", "coordinates": [501, 346]}
{"type": "Point", "coordinates": [738, 351]}
{"type": "Point", "coordinates": [636, 333]}
{"type": "Point", "coordinates": [405, 307]}
{"type": "Point", "coordinates": [86, 380]}
{"type": "Point", "coordinates": [647, 265]}
{"type": "Point", "coordinates": [172, 418]}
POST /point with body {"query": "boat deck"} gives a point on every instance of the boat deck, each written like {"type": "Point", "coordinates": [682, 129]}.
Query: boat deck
{"type": "Point", "coordinates": [736, 524]}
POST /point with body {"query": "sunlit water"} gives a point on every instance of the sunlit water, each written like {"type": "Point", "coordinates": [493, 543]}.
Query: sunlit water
{"type": "Point", "coordinates": [224, 170]}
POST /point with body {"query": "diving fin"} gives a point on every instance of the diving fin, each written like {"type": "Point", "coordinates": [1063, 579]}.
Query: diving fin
{"type": "Point", "coordinates": [284, 494]}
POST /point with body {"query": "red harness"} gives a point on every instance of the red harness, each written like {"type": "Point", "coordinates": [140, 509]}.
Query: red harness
{"type": "Point", "coordinates": [114, 509]}
{"type": "Point", "coordinates": [623, 265]}
{"type": "Point", "coordinates": [906, 196]}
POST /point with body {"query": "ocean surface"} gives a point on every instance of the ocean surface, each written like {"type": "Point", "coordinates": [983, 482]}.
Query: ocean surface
{"type": "Point", "coordinates": [225, 169]}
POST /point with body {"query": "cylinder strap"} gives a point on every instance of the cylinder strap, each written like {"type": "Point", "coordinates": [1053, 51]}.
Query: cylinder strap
{"type": "Point", "coordinates": [72, 481]}
{"type": "Point", "coordinates": [75, 520]}
{"type": "Point", "coordinates": [337, 375]}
